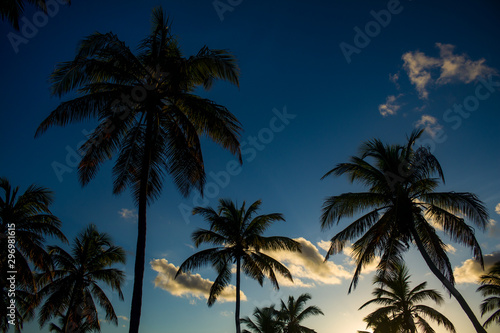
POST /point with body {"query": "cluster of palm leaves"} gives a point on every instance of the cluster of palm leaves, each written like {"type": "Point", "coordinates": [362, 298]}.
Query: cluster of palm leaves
{"type": "Point", "coordinates": [401, 311]}
{"type": "Point", "coordinates": [237, 233]}
{"type": "Point", "coordinates": [60, 285]}
{"type": "Point", "coordinates": [285, 320]}
{"type": "Point", "coordinates": [397, 209]}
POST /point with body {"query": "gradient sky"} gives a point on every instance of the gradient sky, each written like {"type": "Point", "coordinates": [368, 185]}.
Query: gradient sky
{"type": "Point", "coordinates": [311, 90]}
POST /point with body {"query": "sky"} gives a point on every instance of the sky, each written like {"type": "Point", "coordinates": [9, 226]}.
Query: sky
{"type": "Point", "coordinates": [317, 79]}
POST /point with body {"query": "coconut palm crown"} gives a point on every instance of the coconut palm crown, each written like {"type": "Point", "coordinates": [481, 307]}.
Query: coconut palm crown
{"type": "Point", "coordinates": [237, 233]}
{"type": "Point", "coordinates": [401, 207]}
{"type": "Point", "coordinates": [149, 117]}
{"type": "Point", "coordinates": [401, 311]}
{"type": "Point", "coordinates": [490, 286]}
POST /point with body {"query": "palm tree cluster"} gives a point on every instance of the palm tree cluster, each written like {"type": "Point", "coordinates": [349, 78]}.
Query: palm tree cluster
{"type": "Point", "coordinates": [401, 207]}
{"type": "Point", "coordinates": [237, 233]}
{"type": "Point", "coordinates": [285, 320]}
{"type": "Point", "coordinates": [59, 285]}
{"type": "Point", "coordinates": [151, 121]}
{"type": "Point", "coordinates": [401, 311]}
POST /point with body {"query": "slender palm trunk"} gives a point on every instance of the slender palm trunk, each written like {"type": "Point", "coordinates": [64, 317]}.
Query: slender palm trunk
{"type": "Point", "coordinates": [237, 313]}
{"type": "Point", "coordinates": [451, 288]}
{"type": "Point", "coordinates": [140, 253]}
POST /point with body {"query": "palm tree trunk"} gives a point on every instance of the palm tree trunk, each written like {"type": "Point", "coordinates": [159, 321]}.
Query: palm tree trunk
{"type": "Point", "coordinates": [451, 288]}
{"type": "Point", "coordinates": [140, 253]}
{"type": "Point", "coordinates": [237, 313]}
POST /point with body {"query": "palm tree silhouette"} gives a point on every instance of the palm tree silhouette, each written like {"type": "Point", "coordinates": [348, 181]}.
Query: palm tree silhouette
{"type": "Point", "coordinates": [490, 286]}
{"type": "Point", "coordinates": [401, 200]}
{"type": "Point", "coordinates": [266, 321]}
{"type": "Point", "coordinates": [72, 289]}
{"type": "Point", "coordinates": [149, 116]}
{"type": "Point", "coordinates": [27, 219]}
{"type": "Point", "coordinates": [12, 10]}
{"type": "Point", "coordinates": [401, 311]}
{"type": "Point", "coordinates": [292, 313]}
{"type": "Point", "coordinates": [238, 236]}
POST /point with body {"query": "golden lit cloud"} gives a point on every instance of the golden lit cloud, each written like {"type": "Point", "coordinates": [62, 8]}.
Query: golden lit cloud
{"type": "Point", "coordinates": [451, 67]}
{"type": "Point", "coordinates": [471, 270]}
{"type": "Point", "coordinates": [390, 107]}
{"type": "Point", "coordinates": [188, 284]}
{"type": "Point", "coordinates": [309, 266]}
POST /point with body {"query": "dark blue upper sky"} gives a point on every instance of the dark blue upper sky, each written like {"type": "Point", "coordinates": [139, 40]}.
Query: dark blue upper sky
{"type": "Point", "coordinates": [425, 64]}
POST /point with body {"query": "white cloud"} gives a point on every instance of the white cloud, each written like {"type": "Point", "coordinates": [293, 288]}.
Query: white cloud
{"type": "Point", "coordinates": [451, 67]}
{"type": "Point", "coordinates": [325, 245]}
{"type": "Point", "coordinates": [127, 213]}
{"type": "Point", "coordinates": [470, 270]}
{"type": "Point", "coordinates": [497, 208]}
{"type": "Point", "coordinates": [450, 249]}
{"type": "Point", "coordinates": [309, 266]}
{"type": "Point", "coordinates": [123, 317]}
{"type": "Point", "coordinates": [390, 107]}
{"type": "Point", "coordinates": [226, 313]}
{"type": "Point", "coordinates": [493, 228]}
{"type": "Point", "coordinates": [430, 124]}
{"type": "Point", "coordinates": [188, 284]}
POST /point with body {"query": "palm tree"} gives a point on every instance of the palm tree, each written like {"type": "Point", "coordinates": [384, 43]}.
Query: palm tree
{"type": "Point", "coordinates": [399, 209]}
{"type": "Point", "coordinates": [72, 289]}
{"type": "Point", "coordinates": [401, 311]}
{"type": "Point", "coordinates": [149, 116]}
{"type": "Point", "coordinates": [490, 286]}
{"type": "Point", "coordinates": [293, 312]}
{"type": "Point", "coordinates": [25, 221]}
{"type": "Point", "coordinates": [237, 233]}
{"type": "Point", "coordinates": [12, 10]}
{"type": "Point", "coordinates": [266, 321]}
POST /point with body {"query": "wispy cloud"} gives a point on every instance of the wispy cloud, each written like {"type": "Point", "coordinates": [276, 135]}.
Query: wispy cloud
{"type": "Point", "coordinates": [124, 318]}
{"type": "Point", "coordinates": [493, 228]}
{"type": "Point", "coordinates": [497, 208]}
{"type": "Point", "coordinates": [471, 270]}
{"type": "Point", "coordinates": [426, 71]}
{"type": "Point", "coordinates": [450, 249]}
{"type": "Point", "coordinates": [187, 284]}
{"type": "Point", "coordinates": [309, 266]}
{"type": "Point", "coordinates": [391, 106]}
{"type": "Point", "coordinates": [226, 313]}
{"type": "Point", "coordinates": [127, 213]}
{"type": "Point", "coordinates": [430, 124]}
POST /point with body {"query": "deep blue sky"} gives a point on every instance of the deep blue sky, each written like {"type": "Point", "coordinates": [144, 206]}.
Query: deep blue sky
{"type": "Point", "coordinates": [290, 58]}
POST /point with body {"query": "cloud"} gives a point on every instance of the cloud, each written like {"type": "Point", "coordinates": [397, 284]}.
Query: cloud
{"type": "Point", "coordinates": [325, 245]}
{"type": "Point", "coordinates": [127, 213]}
{"type": "Point", "coordinates": [497, 208]}
{"type": "Point", "coordinates": [493, 228]}
{"type": "Point", "coordinates": [470, 270]}
{"type": "Point", "coordinates": [187, 284]}
{"type": "Point", "coordinates": [390, 107]}
{"type": "Point", "coordinates": [394, 79]}
{"type": "Point", "coordinates": [450, 249]}
{"type": "Point", "coordinates": [309, 266]}
{"type": "Point", "coordinates": [422, 69]}
{"type": "Point", "coordinates": [430, 124]}
{"type": "Point", "coordinates": [124, 318]}
{"type": "Point", "coordinates": [226, 313]}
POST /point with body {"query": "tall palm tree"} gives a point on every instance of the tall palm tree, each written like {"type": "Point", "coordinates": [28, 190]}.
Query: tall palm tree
{"type": "Point", "coordinates": [150, 117]}
{"type": "Point", "coordinates": [25, 222]}
{"type": "Point", "coordinates": [490, 286]}
{"type": "Point", "coordinates": [237, 233]}
{"type": "Point", "coordinates": [292, 313]}
{"type": "Point", "coordinates": [266, 321]}
{"type": "Point", "coordinates": [71, 290]}
{"type": "Point", "coordinates": [12, 10]}
{"type": "Point", "coordinates": [401, 311]}
{"type": "Point", "coordinates": [399, 209]}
